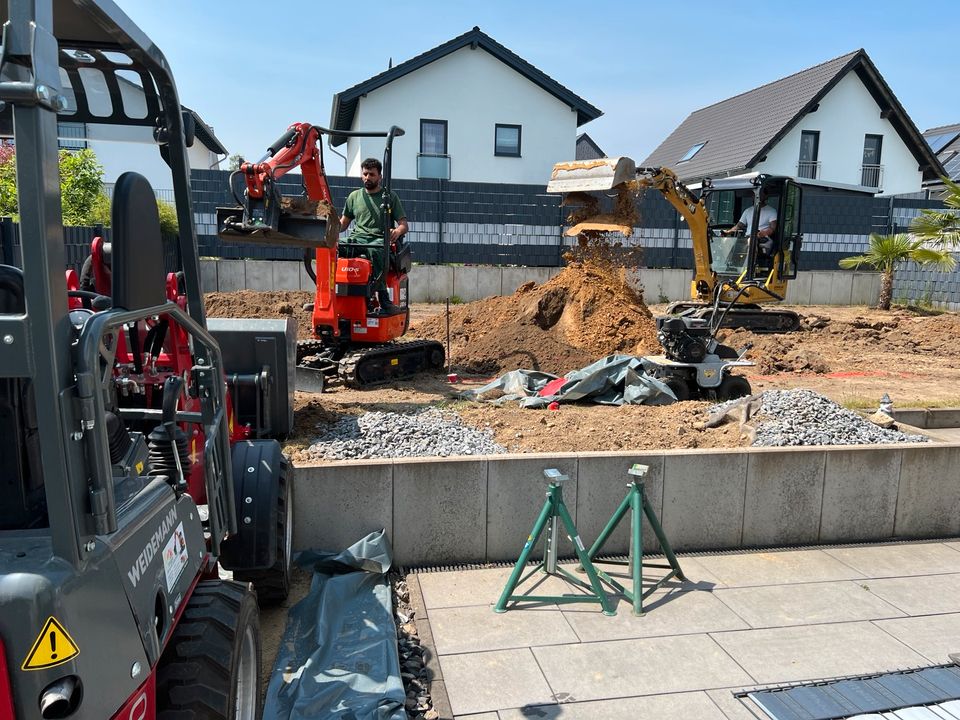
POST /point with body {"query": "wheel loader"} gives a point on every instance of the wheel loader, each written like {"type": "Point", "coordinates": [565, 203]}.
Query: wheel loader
{"type": "Point", "coordinates": [138, 453]}
{"type": "Point", "coordinates": [735, 269]}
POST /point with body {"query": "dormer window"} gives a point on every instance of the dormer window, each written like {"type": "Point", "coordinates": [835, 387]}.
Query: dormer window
{"type": "Point", "coordinates": [692, 151]}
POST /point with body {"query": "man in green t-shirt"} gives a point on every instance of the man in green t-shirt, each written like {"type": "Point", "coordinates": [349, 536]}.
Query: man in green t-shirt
{"type": "Point", "coordinates": [363, 208]}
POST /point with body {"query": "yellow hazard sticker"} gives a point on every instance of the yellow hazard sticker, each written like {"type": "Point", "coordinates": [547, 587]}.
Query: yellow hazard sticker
{"type": "Point", "coordinates": [139, 467]}
{"type": "Point", "coordinates": [53, 647]}
{"type": "Point", "coordinates": [394, 361]}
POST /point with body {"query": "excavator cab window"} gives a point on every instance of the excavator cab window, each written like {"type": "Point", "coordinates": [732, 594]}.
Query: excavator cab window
{"type": "Point", "coordinates": [728, 254]}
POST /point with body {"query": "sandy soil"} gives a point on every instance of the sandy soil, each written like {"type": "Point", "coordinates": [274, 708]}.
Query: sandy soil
{"type": "Point", "coordinates": [852, 354]}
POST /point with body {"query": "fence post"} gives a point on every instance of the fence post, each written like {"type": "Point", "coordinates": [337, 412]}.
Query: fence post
{"type": "Point", "coordinates": [440, 220]}
{"type": "Point", "coordinates": [676, 239]}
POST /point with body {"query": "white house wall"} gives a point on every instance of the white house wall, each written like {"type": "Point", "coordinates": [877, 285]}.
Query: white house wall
{"type": "Point", "coordinates": [846, 114]}
{"type": "Point", "coordinates": [120, 148]}
{"type": "Point", "coordinates": [472, 91]}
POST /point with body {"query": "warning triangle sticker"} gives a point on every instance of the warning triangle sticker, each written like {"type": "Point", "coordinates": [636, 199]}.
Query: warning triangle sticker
{"type": "Point", "coordinates": [53, 647]}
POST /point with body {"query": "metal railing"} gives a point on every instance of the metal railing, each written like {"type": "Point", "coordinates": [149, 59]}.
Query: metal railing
{"type": "Point", "coordinates": [871, 175]}
{"type": "Point", "coordinates": [163, 194]}
{"type": "Point", "coordinates": [809, 169]}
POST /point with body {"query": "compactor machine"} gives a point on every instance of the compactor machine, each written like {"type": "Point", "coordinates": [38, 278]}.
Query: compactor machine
{"type": "Point", "coordinates": [131, 471]}
{"type": "Point", "coordinates": [737, 270]}
{"type": "Point", "coordinates": [354, 340]}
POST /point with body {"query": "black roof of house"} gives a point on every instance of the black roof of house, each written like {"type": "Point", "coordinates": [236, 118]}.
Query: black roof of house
{"type": "Point", "coordinates": [587, 149]}
{"type": "Point", "coordinates": [739, 131]}
{"type": "Point", "coordinates": [945, 142]}
{"type": "Point", "coordinates": [345, 102]}
{"type": "Point", "coordinates": [204, 133]}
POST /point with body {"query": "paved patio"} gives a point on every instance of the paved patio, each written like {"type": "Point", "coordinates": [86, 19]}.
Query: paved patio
{"type": "Point", "coordinates": [738, 621]}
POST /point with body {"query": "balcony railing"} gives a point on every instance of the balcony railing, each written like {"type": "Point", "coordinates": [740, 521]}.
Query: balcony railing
{"type": "Point", "coordinates": [871, 176]}
{"type": "Point", "coordinates": [433, 166]}
{"type": "Point", "coordinates": [809, 169]}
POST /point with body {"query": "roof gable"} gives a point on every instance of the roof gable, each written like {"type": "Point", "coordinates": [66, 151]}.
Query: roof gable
{"type": "Point", "coordinates": [740, 130]}
{"type": "Point", "coordinates": [345, 102]}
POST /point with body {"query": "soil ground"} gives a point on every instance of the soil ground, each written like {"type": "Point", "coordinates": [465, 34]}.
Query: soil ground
{"type": "Point", "coordinates": [851, 354]}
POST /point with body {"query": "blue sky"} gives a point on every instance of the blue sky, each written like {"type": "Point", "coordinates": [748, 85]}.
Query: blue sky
{"type": "Point", "coordinates": [251, 68]}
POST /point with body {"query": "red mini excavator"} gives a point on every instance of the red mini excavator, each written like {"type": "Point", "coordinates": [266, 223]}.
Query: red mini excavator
{"type": "Point", "coordinates": [353, 339]}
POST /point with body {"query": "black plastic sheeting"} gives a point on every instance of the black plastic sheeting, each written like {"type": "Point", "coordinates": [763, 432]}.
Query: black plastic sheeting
{"type": "Point", "coordinates": [338, 658]}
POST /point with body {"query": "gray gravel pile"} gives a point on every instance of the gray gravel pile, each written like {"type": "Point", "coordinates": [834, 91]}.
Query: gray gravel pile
{"type": "Point", "coordinates": [428, 433]}
{"type": "Point", "coordinates": [803, 417]}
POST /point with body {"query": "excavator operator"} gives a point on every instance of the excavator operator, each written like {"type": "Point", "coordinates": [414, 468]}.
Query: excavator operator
{"type": "Point", "coordinates": [363, 207]}
{"type": "Point", "coordinates": [767, 223]}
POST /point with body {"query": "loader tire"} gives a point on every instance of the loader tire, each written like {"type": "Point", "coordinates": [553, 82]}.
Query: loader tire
{"type": "Point", "coordinates": [273, 584]}
{"type": "Point", "coordinates": [211, 666]}
{"type": "Point", "coordinates": [679, 387]}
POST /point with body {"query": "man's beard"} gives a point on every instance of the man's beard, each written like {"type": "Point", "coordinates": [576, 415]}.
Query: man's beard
{"type": "Point", "coordinates": [370, 184]}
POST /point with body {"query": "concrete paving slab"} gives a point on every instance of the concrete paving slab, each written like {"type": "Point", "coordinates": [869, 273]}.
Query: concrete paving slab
{"type": "Point", "coordinates": [652, 707]}
{"type": "Point", "coordinates": [286, 274]}
{"type": "Point", "coordinates": [259, 274]}
{"type": "Point", "coordinates": [601, 487]}
{"type": "Point", "coordinates": [516, 492]}
{"type": "Point", "coordinates": [424, 490]}
{"type": "Point", "coordinates": [933, 636]}
{"type": "Point", "coordinates": [928, 501]}
{"type": "Point", "coordinates": [465, 283]}
{"type": "Point", "coordinates": [695, 480]}
{"type": "Point", "coordinates": [488, 282]}
{"type": "Point", "coordinates": [647, 666]}
{"type": "Point", "coordinates": [807, 603]}
{"type": "Point", "coordinates": [849, 476]}
{"type": "Point", "coordinates": [815, 651]}
{"type": "Point", "coordinates": [455, 629]}
{"type": "Point", "coordinates": [783, 497]}
{"type": "Point", "coordinates": [478, 587]}
{"type": "Point", "coordinates": [776, 568]}
{"type": "Point", "coordinates": [878, 561]}
{"type": "Point", "coordinates": [923, 595]}
{"type": "Point", "coordinates": [480, 682]}
{"type": "Point", "coordinates": [733, 708]}
{"type": "Point", "coordinates": [479, 716]}
{"type": "Point", "coordinates": [665, 613]}
{"type": "Point", "coordinates": [347, 487]}
{"type": "Point", "coordinates": [208, 276]}
{"type": "Point", "coordinates": [230, 275]}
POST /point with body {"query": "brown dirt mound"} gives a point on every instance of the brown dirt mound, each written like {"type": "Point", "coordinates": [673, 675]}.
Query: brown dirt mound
{"type": "Point", "coordinates": [262, 304]}
{"type": "Point", "coordinates": [586, 312]}
{"type": "Point", "coordinates": [777, 353]}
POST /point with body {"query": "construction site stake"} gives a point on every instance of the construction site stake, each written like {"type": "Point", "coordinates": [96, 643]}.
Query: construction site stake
{"type": "Point", "coordinates": [554, 509]}
{"type": "Point", "coordinates": [636, 503]}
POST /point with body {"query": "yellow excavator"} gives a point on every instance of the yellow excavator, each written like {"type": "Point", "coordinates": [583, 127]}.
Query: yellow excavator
{"type": "Point", "coordinates": [735, 272]}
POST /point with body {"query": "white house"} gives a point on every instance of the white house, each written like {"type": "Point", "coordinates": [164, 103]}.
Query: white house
{"type": "Point", "coordinates": [120, 148]}
{"type": "Point", "coordinates": [472, 111]}
{"type": "Point", "coordinates": [837, 124]}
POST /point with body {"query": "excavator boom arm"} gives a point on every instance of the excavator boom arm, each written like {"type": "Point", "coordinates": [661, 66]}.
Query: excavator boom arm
{"type": "Point", "coordinates": [298, 147]}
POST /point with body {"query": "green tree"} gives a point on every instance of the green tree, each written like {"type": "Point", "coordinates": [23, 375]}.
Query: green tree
{"type": "Point", "coordinates": [941, 228]}
{"type": "Point", "coordinates": [81, 184]}
{"type": "Point", "coordinates": [234, 162]}
{"type": "Point", "coordinates": [887, 252]}
{"type": "Point", "coordinates": [100, 215]}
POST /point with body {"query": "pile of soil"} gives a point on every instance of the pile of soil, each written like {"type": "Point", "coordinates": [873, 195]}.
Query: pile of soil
{"type": "Point", "coordinates": [586, 312]}
{"type": "Point", "coordinates": [262, 304]}
{"type": "Point", "coordinates": [777, 353]}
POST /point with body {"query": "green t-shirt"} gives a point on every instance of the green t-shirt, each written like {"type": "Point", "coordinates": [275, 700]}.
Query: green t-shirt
{"type": "Point", "coordinates": [363, 209]}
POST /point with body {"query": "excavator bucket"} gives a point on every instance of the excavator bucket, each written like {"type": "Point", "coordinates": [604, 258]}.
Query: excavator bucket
{"type": "Point", "coordinates": [300, 223]}
{"type": "Point", "coordinates": [591, 175]}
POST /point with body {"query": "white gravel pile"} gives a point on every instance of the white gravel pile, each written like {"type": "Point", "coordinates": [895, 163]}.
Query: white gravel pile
{"type": "Point", "coordinates": [428, 433]}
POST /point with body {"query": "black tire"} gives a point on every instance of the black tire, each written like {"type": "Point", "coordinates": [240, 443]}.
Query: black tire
{"type": "Point", "coordinates": [732, 387]}
{"type": "Point", "coordinates": [273, 584]}
{"type": "Point", "coordinates": [211, 667]}
{"type": "Point", "coordinates": [679, 386]}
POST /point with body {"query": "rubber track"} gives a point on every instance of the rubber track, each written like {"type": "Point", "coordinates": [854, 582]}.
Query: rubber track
{"type": "Point", "coordinates": [352, 363]}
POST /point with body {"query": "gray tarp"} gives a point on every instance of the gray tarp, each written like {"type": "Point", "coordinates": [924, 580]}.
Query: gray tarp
{"type": "Point", "coordinates": [614, 380]}
{"type": "Point", "coordinates": [338, 658]}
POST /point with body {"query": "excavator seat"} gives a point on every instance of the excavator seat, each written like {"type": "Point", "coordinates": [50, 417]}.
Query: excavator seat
{"type": "Point", "coordinates": [20, 465]}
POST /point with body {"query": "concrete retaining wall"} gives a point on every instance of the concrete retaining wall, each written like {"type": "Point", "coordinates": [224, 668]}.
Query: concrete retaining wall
{"type": "Point", "coordinates": [443, 511]}
{"type": "Point", "coordinates": [435, 283]}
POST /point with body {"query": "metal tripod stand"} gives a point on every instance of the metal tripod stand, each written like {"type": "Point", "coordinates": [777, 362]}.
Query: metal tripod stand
{"type": "Point", "coordinates": [554, 509]}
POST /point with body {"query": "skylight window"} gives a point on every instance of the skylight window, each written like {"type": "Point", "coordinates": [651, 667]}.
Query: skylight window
{"type": "Point", "coordinates": [692, 151]}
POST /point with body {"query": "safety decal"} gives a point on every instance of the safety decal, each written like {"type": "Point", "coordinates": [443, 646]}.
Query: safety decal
{"type": "Point", "coordinates": [53, 647]}
{"type": "Point", "coordinates": [175, 556]}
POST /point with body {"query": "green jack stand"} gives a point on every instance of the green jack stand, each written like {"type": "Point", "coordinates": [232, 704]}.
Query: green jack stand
{"type": "Point", "coordinates": [636, 503]}
{"type": "Point", "coordinates": [554, 509]}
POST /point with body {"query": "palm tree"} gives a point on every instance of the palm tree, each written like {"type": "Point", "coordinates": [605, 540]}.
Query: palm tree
{"type": "Point", "coordinates": [886, 252]}
{"type": "Point", "coordinates": [941, 228]}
